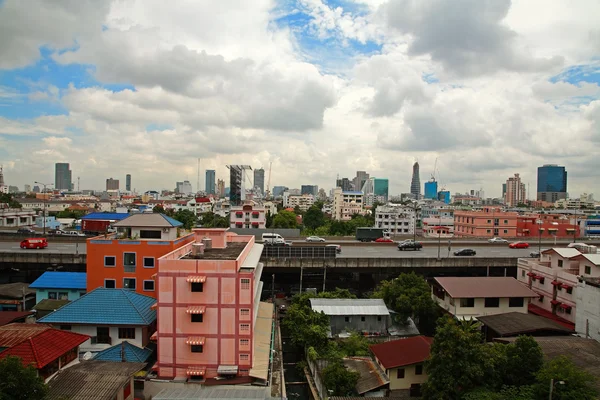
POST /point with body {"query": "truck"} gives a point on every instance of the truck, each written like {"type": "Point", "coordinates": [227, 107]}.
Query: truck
{"type": "Point", "coordinates": [370, 234]}
{"type": "Point", "coordinates": [94, 226]}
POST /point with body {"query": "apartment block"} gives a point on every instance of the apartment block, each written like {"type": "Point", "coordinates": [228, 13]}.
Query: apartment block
{"type": "Point", "coordinates": [249, 216]}
{"type": "Point", "coordinates": [346, 204]}
{"type": "Point", "coordinates": [515, 191]}
{"type": "Point", "coordinates": [398, 219]}
{"type": "Point", "coordinates": [304, 201]}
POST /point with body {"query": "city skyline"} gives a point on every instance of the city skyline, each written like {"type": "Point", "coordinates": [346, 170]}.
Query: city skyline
{"type": "Point", "coordinates": [315, 88]}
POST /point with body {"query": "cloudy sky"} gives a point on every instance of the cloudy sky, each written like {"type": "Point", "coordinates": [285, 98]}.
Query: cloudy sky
{"type": "Point", "coordinates": [318, 88]}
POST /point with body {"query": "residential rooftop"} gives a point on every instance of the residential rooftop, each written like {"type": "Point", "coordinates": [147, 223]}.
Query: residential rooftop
{"type": "Point", "coordinates": [349, 306]}
{"type": "Point", "coordinates": [484, 287]}
{"type": "Point", "coordinates": [148, 220]}
{"type": "Point", "coordinates": [564, 252]}
{"type": "Point", "coordinates": [401, 352]}
{"type": "Point", "coordinates": [60, 280]}
{"type": "Point", "coordinates": [231, 252]}
{"type": "Point", "coordinates": [515, 323]}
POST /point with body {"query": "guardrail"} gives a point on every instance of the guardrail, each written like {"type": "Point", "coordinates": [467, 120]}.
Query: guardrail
{"type": "Point", "coordinates": [299, 252]}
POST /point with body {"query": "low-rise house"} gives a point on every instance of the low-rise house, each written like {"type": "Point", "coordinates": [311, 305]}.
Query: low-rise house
{"type": "Point", "coordinates": [516, 323]}
{"type": "Point", "coordinates": [47, 306]}
{"type": "Point", "coordinates": [16, 217]}
{"type": "Point", "coordinates": [109, 317]}
{"type": "Point", "coordinates": [55, 285]}
{"type": "Point", "coordinates": [48, 350]}
{"type": "Point", "coordinates": [16, 297]}
{"type": "Point", "coordinates": [8, 317]}
{"type": "Point", "coordinates": [124, 352]}
{"type": "Point", "coordinates": [98, 380]}
{"type": "Point", "coordinates": [403, 362]}
{"type": "Point", "coordinates": [473, 297]}
{"type": "Point", "coordinates": [362, 315]}
{"type": "Point", "coordinates": [372, 381]}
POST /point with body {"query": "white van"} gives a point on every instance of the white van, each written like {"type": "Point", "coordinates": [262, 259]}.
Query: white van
{"type": "Point", "coordinates": [272, 238]}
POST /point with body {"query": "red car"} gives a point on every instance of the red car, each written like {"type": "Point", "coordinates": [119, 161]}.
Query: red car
{"type": "Point", "coordinates": [34, 243]}
{"type": "Point", "coordinates": [384, 240]}
{"type": "Point", "coordinates": [519, 245]}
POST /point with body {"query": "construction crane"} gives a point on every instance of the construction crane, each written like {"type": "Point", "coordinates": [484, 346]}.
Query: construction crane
{"type": "Point", "coordinates": [434, 169]}
{"type": "Point", "coordinates": [268, 191]}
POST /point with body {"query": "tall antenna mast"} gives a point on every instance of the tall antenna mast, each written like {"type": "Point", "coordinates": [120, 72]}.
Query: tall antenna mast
{"type": "Point", "coordinates": [78, 184]}
{"type": "Point", "coordinates": [198, 183]}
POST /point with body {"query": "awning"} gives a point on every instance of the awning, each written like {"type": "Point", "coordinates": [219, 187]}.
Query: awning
{"type": "Point", "coordinates": [540, 276]}
{"type": "Point", "coordinates": [239, 223]}
{"type": "Point", "coordinates": [154, 276]}
{"type": "Point", "coordinates": [565, 306]}
{"type": "Point", "coordinates": [154, 336]}
{"type": "Point", "coordinates": [555, 283]}
{"type": "Point", "coordinates": [239, 213]}
{"type": "Point", "coordinates": [255, 213]}
{"type": "Point", "coordinates": [525, 230]}
{"type": "Point", "coordinates": [552, 229]}
{"type": "Point", "coordinates": [195, 340]}
{"type": "Point", "coordinates": [196, 279]}
{"type": "Point", "coordinates": [196, 371]}
{"type": "Point", "coordinates": [154, 306]}
{"type": "Point", "coordinates": [195, 309]}
{"type": "Point", "coordinates": [554, 302]}
{"type": "Point", "coordinates": [227, 370]}
{"type": "Point", "coordinates": [255, 223]}
{"type": "Point", "coordinates": [531, 274]}
{"type": "Point", "coordinates": [155, 366]}
{"type": "Point", "coordinates": [565, 286]}
{"type": "Point", "coordinates": [571, 229]}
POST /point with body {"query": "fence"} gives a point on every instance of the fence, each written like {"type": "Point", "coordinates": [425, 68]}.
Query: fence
{"type": "Point", "coordinates": [299, 252]}
{"type": "Point", "coordinates": [286, 233]}
{"type": "Point", "coordinates": [316, 367]}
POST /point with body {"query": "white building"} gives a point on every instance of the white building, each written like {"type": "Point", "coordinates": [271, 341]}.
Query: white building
{"type": "Point", "coordinates": [442, 227]}
{"type": "Point", "coordinates": [16, 217]}
{"type": "Point", "coordinates": [398, 219]}
{"type": "Point", "coordinates": [184, 187]}
{"type": "Point", "coordinates": [585, 200]}
{"type": "Point", "coordinates": [346, 204]}
{"type": "Point", "coordinates": [304, 202]}
{"type": "Point", "coordinates": [472, 297]}
{"type": "Point", "coordinates": [587, 296]}
{"type": "Point", "coordinates": [248, 216]}
{"type": "Point", "coordinates": [270, 207]}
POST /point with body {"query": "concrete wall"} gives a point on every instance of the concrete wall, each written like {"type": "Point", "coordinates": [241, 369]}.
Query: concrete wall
{"type": "Point", "coordinates": [355, 323]}
{"type": "Point", "coordinates": [410, 377]}
{"type": "Point", "coordinates": [72, 294]}
{"type": "Point", "coordinates": [286, 233]}
{"type": "Point", "coordinates": [587, 319]}
{"type": "Point", "coordinates": [453, 306]}
{"type": "Point", "coordinates": [113, 333]}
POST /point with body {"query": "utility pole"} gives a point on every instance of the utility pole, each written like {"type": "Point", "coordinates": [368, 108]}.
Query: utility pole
{"type": "Point", "coordinates": [324, 276]}
{"type": "Point", "coordinates": [273, 288]}
{"type": "Point", "coordinates": [24, 306]}
{"type": "Point", "coordinates": [301, 270]}
{"type": "Point", "coordinates": [439, 233]}
{"type": "Point", "coordinates": [45, 198]}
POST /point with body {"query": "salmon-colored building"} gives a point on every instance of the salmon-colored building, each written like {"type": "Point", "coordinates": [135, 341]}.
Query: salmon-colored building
{"type": "Point", "coordinates": [208, 303]}
{"type": "Point", "coordinates": [128, 259]}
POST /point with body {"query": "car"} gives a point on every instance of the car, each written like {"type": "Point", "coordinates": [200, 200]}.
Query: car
{"type": "Point", "coordinates": [312, 239]}
{"type": "Point", "coordinates": [410, 245]}
{"type": "Point", "coordinates": [26, 231]}
{"type": "Point", "coordinates": [465, 252]}
{"type": "Point", "coordinates": [534, 254]}
{"type": "Point", "coordinates": [338, 248]}
{"type": "Point", "coordinates": [497, 240]}
{"type": "Point", "coordinates": [34, 243]}
{"type": "Point", "coordinates": [519, 245]}
{"type": "Point", "coordinates": [384, 240]}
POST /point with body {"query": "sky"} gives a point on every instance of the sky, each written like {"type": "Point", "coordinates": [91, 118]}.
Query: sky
{"type": "Point", "coordinates": [476, 89]}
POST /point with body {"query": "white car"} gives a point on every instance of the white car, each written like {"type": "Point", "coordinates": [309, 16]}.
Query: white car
{"type": "Point", "coordinates": [314, 239]}
{"type": "Point", "coordinates": [497, 240]}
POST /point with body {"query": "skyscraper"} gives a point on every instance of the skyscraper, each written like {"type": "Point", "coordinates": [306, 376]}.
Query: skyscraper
{"type": "Point", "coordinates": [551, 183]}
{"type": "Point", "coordinates": [3, 187]}
{"type": "Point", "coordinates": [221, 188]}
{"type": "Point", "coordinates": [345, 184]}
{"type": "Point", "coordinates": [309, 189]}
{"type": "Point", "coordinates": [209, 186]}
{"type": "Point", "coordinates": [360, 179]}
{"type": "Point", "coordinates": [62, 177]}
{"type": "Point", "coordinates": [128, 182]}
{"type": "Point", "coordinates": [259, 180]}
{"type": "Point", "coordinates": [237, 191]}
{"type": "Point", "coordinates": [112, 184]}
{"type": "Point", "coordinates": [431, 189]}
{"type": "Point", "coordinates": [515, 191]}
{"type": "Point", "coordinates": [415, 183]}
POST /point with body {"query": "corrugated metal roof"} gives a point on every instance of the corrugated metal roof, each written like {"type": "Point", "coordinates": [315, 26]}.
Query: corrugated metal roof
{"type": "Point", "coordinates": [263, 329]}
{"type": "Point", "coordinates": [371, 377]}
{"type": "Point", "coordinates": [515, 323]}
{"type": "Point", "coordinates": [13, 334]}
{"type": "Point", "coordinates": [50, 305]}
{"type": "Point", "coordinates": [106, 306]}
{"type": "Point", "coordinates": [350, 306]}
{"type": "Point", "coordinates": [148, 220]}
{"type": "Point", "coordinates": [397, 353]}
{"type": "Point", "coordinates": [593, 258]}
{"type": "Point", "coordinates": [6, 317]}
{"type": "Point", "coordinates": [564, 252]}
{"type": "Point", "coordinates": [131, 352]}
{"type": "Point", "coordinates": [229, 393]}
{"type": "Point", "coordinates": [60, 280]}
{"type": "Point", "coordinates": [484, 287]}
{"type": "Point", "coordinates": [106, 216]}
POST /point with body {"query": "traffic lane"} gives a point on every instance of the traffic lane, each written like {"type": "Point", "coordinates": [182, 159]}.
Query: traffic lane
{"type": "Point", "coordinates": [429, 251]}
{"type": "Point", "coordinates": [59, 248]}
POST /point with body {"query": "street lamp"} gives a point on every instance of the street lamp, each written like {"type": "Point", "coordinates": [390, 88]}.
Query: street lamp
{"type": "Point", "coordinates": [575, 228]}
{"type": "Point", "coordinates": [552, 384]}
{"type": "Point", "coordinates": [44, 211]}
{"type": "Point", "coordinates": [540, 230]}
{"type": "Point", "coordinates": [439, 232]}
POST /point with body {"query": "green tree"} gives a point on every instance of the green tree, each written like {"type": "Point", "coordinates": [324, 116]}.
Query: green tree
{"type": "Point", "coordinates": [314, 218]}
{"type": "Point", "coordinates": [187, 218]}
{"type": "Point", "coordinates": [356, 345]}
{"type": "Point", "coordinates": [70, 214]}
{"type": "Point", "coordinates": [506, 393]}
{"type": "Point", "coordinates": [285, 220]}
{"type": "Point", "coordinates": [457, 361]}
{"type": "Point", "coordinates": [269, 220]}
{"type": "Point", "coordinates": [524, 359]}
{"type": "Point", "coordinates": [159, 209]}
{"type": "Point", "coordinates": [18, 382]}
{"type": "Point", "coordinates": [298, 211]}
{"type": "Point", "coordinates": [339, 380]}
{"type": "Point", "coordinates": [577, 384]}
{"type": "Point", "coordinates": [8, 199]}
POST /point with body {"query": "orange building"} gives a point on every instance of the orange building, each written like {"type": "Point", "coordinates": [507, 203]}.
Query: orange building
{"type": "Point", "coordinates": [128, 259]}
{"type": "Point", "coordinates": [210, 318]}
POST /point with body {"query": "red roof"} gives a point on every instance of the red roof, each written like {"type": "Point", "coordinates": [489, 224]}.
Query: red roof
{"type": "Point", "coordinates": [45, 347]}
{"type": "Point", "coordinates": [398, 353]}
{"type": "Point", "coordinates": [533, 309]}
{"type": "Point", "coordinates": [6, 317]}
{"type": "Point", "coordinates": [13, 334]}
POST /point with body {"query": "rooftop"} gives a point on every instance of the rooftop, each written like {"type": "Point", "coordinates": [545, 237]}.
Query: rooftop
{"type": "Point", "coordinates": [515, 323]}
{"type": "Point", "coordinates": [60, 280]}
{"type": "Point", "coordinates": [231, 252]}
{"type": "Point", "coordinates": [215, 392]}
{"type": "Point", "coordinates": [50, 305]}
{"type": "Point", "coordinates": [371, 377]}
{"type": "Point", "coordinates": [564, 252]}
{"type": "Point", "coordinates": [593, 258]}
{"type": "Point", "coordinates": [92, 380]}
{"type": "Point", "coordinates": [15, 290]}
{"type": "Point", "coordinates": [13, 334]}
{"type": "Point", "coordinates": [106, 216]}
{"type": "Point", "coordinates": [148, 220]}
{"type": "Point", "coordinates": [104, 306]}
{"type": "Point", "coordinates": [6, 317]}
{"type": "Point", "coordinates": [484, 287]}
{"type": "Point", "coordinates": [125, 349]}
{"type": "Point", "coordinates": [350, 306]}
{"type": "Point", "coordinates": [401, 352]}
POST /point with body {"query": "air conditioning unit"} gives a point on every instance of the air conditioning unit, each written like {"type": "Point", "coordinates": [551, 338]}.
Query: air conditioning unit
{"type": "Point", "coordinates": [166, 230]}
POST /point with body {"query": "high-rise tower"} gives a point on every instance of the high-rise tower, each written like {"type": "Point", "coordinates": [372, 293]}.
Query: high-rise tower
{"type": "Point", "coordinates": [551, 183]}
{"type": "Point", "coordinates": [210, 181]}
{"type": "Point", "coordinates": [63, 176]}
{"type": "Point", "coordinates": [259, 180]}
{"type": "Point", "coordinates": [128, 182]}
{"type": "Point", "coordinates": [415, 183]}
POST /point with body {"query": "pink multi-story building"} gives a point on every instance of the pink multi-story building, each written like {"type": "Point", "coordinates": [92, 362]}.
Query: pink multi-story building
{"type": "Point", "coordinates": [208, 304]}
{"type": "Point", "coordinates": [248, 216]}
{"type": "Point", "coordinates": [489, 222]}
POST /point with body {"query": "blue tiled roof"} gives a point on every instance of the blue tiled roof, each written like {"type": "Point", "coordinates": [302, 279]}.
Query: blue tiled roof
{"type": "Point", "coordinates": [132, 353]}
{"type": "Point", "coordinates": [106, 216]}
{"type": "Point", "coordinates": [352, 192]}
{"type": "Point", "coordinates": [60, 280]}
{"type": "Point", "coordinates": [105, 307]}
{"type": "Point", "coordinates": [172, 221]}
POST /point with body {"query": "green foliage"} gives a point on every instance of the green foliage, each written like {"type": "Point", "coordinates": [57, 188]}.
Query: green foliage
{"type": "Point", "coordinates": [524, 359]}
{"type": "Point", "coordinates": [298, 211]}
{"type": "Point", "coordinates": [410, 296]}
{"type": "Point", "coordinates": [355, 346]}
{"type": "Point", "coordinates": [314, 218]}
{"type": "Point", "coordinates": [339, 380]}
{"type": "Point", "coordinates": [18, 382]}
{"type": "Point", "coordinates": [506, 393]}
{"type": "Point", "coordinates": [212, 220]}
{"type": "Point", "coordinates": [269, 220]}
{"type": "Point", "coordinates": [70, 214]}
{"type": "Point", "coordinates": [8, 199]}
{"type": "Point", "coordinates": [578, 384]}
{"type": "Point", "coordinates": [158, 209]}
{"type": "Point", "coordinates": [187, 218]}
{"type": "Point", "coordinates": [285, 220]}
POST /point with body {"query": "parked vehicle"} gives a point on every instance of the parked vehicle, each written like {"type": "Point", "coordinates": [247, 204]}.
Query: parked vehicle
{"type": "Point", "coordinates": [497, 240]}
{"type": "Point", "coordinates": [312, 239]}
{"type": "Point", "coordinates": [519, 245]}
{"type": "Point", "coordinates": [95, 227]}
{"type": "Point", "coordinates": [369, 234]}
{"type": "Point", "coordinates": [26, 231]}
{"type": "Point", "coordinates": [410, 245]}
{"type": "Point", "coordinates": [534, 254]}
{"type": "Point", "coordinates": [72, 233]}
{"type": "Point", "coordinates": [273, 238]}
{"type": "Point", "coordinates": [465, 252]}
{"type": "Point", "coordinates": [385, 239]}
{"type": "Point", "coordinates": [338, 248]}
{"type": "Point", "coordinates": [34, 243]}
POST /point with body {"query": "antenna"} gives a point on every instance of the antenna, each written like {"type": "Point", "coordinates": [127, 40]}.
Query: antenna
{"type": "Point", "coordinates": [198, 183]}
{"type": "Point", "coordinates": [269, 181]}
{"type": "Point", "coordinates": [78, 184]}
{"type": "Point", "coordinates": [434, 168]}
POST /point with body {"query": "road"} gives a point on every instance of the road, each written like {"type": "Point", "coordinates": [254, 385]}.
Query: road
{"type": "Point", "coordinates": [58, 248]}
{"type": "Point", "coordinates": [431, 251]}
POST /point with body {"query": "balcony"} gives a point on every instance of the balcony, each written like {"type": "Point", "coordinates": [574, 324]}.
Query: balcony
{"type": "Point", "coordinates": [102, 340]}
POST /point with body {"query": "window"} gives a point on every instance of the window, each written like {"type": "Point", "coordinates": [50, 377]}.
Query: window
{"type": "Point", "coordinates": [244, 342]}
{"type": "Point", "coordinates": [149, 286]}
{"type": "Point", "coordinates": [588, 269]}
{"type": "Point", "coordinates": [346, 319]}
{"type": "Point", "coordinates": [523, 273]}
{"type": "Point", "coordinates": [129, 283]}
{"type": "Point", "coordinates": [63, 296]}
{"type": "Point", "coordinates": [541, 298]}
{"type": "Point", "coordinates": [505, 222]}
{"type": "Point", "coordinates": [150, 234]}
{"type": "Point", "coordinates": [244, 357]}
{"type": "Point", "coordinates": [489, 221]}
{"type": "Point", "coordinates": [419, 369]}
{"type": "Point", "coordinates": [245, 284]}
{"type": "Point", "coordinates": [244, 312]}
{"type": "Point", "coordinates": [197, 317]}
{"type": "Point", "coordinates": [65, 327]}
{"type": "Point", "coordinates": [506, 231]}
{"type": "Point", "coordinates": [52, 295]}
{"type": "Point", "coordinates": [570, 290]}
{"type": "Point", "coordinates": [379, 318]}
{"type": "Point", "coordinates": [516, 302]}
{"type": "Point", "coordinates": [129, 259]}
{"type": "Point", "coordinates": [400, 373]}
{"type": "Point", "coordinates": [362, 319]}
{"type": "Point", "coordinates": [542, 280]}
{"type": "Point", "coordinates": [488, 231]}
{"type": "Point", "coordinates": [197, 348]}
{"type": "Point", "coordinates": [245, 327]}
{"type": "Point", "coordinates": [560, 263]}
{"type": "Point", "coordinates": [110, 261]}
{"type": "Point", "coordinates": [568, 311]}
{"type": "Point", "coordinates": [491, 302]}
{"type": "Point", "coordinates": [110, 283]}
{"type": "Point", "coordinates": [126, 333]}
{"type": "Point", "coordinates": [467, 302]}
{"type": "Point", "coordinates": [197, 287]}
{"type": "Point", "coordinates": [148, 262]}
